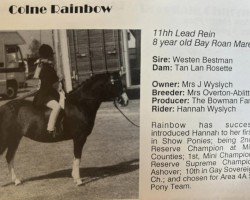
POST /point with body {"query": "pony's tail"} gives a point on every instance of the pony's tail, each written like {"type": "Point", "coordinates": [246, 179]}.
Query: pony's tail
{"type": "Point", "coordinates": [2, 150]}
{"type": "Point", "coordinates": [6, 114]}
{"type": "Point", "coordinates": [3, 145]}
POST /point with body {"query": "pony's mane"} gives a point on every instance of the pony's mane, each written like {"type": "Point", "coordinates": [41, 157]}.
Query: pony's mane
{"type": "Point", "coordinates": [85, 85]}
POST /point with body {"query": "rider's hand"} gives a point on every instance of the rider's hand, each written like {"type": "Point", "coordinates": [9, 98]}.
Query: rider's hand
{"type": "Point", "coordinates": [60, 87]}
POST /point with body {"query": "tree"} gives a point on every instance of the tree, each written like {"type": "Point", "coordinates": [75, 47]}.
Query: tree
{"type": "Point", "coordinates": [34, 48]}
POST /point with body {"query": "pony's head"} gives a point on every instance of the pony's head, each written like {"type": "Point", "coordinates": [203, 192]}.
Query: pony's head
{"type": "Point", "coordinates": [112, 88]}
{"type": "Point", "coordinates": [102, 87]}
{"type": "Point", "coordinates": [119, 89]}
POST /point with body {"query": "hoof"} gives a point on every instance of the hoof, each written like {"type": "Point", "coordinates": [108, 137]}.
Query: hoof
{"type": "Point", "coordinates": [17, 182]}
{"type": "Point", "coordinates": [78, 182]}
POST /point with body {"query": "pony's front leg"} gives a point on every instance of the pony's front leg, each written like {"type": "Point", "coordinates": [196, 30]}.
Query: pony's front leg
{"type": "Point", "coordinates": [76, 171]}
{"type": "Point", "coordinates": [78, 145]}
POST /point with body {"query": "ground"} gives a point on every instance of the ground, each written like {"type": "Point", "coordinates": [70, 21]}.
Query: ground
{"type": "Point", "coordinates": [109, 167]}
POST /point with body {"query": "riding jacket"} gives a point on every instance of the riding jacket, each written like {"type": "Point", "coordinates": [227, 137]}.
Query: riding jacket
{"type": "Point", "coordinates": [47, 90]}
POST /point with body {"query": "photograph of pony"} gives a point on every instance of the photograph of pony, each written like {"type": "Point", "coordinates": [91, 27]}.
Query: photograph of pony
{"type": "Point", "coordinates": [69, 96]}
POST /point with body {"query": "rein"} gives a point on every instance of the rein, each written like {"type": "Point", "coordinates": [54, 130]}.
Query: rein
{"type": "Point", "coordinates": [115, 104]}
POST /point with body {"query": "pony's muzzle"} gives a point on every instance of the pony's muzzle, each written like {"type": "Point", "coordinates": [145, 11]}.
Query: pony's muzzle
{"type": "Point", "coordinates": [123, 99]}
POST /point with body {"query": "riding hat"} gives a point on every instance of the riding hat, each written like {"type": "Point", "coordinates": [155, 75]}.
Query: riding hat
{"type": "Point", "coordinates": [46, 51]}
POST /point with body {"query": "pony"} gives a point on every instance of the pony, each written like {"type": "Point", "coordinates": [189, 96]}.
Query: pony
{"type": "Point", "coordinates": [20, 118]}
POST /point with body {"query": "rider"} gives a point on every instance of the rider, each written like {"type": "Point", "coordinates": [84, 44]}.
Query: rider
{"type": "Point", "coordinates": [50, 86]}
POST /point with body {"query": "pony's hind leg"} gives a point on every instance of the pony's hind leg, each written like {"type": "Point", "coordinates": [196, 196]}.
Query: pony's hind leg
{"type": "Point", "coordinates": [13, 174]}
{"type": "Point", "coordinates": [10, 160]}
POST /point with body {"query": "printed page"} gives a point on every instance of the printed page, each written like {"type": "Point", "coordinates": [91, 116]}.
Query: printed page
{"type": "Point", "coordinates": [154, 99]}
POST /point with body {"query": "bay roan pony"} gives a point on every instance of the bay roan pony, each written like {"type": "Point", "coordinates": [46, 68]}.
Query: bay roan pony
{"type": "Point", "coordinates": [20, 118]}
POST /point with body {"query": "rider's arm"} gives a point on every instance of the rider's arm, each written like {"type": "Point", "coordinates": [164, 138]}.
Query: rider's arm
{"type": "Point", "coordinates": [38, 68]}
{"type": "Point", "coordinates": [37, 74]}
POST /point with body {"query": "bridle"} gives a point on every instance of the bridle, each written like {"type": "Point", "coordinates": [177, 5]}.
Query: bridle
{"type": "Point", "coordinates": [113, 80]}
